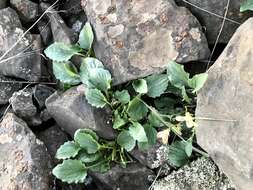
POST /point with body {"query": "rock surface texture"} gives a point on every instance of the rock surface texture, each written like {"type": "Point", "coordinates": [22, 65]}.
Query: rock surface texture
{"type": "Point", "coordinates": [227, 96]}
{"type": "Point", "coordinates": [137, 38]}
{"type": "Point", "coordinates": [3, 4]}
{"type": "Point", "coordinates": [71, 111]}
{"type": "Point", "coordinates": [212, 23]}
{"type": "Point", "coordinates": [201, 174]}
{"type": "Point", "coordinates": [24, 161]}
{"type": "Point", "coordinates": [25, 65]}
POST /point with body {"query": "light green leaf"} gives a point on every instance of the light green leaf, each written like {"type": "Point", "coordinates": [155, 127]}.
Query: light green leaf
{"type": "Point", "coordinates": [136, 130]}
{"type": "Point", "coordinates": [122, 96]}
{"type": "Point", "coordinates": [140, 86]}
{"type": "Point", "coordinates": [87, 141]}
{"type": "Point", "coordinates": [86, 37]}
{"type": "Point", "coordinates": [84, 157]}
{"type": "Point", "coordinates": [154, 120]}
{"type": "Point", "coordinates": [100, 79]}
{"type": "Point", "coordinates": [177, 155]}
{"type": "Point", "coordinates": [176, 74]}
{"type": "Point", "coordinates": [96, 98]}
{"type": "Point", "coordinates": [198, 81]}
{"type": "Point", "coordinates": [88, 131]}
{"type": "Point", "coordinates": [118, 120]}
{"type": "Point", "coordinates": [68, 150]}
{"type": "Point", "coordinates": [157, 84]}
{"type": "Point", "coordinates": [184, 95]}
{"type": "Point", "coordinates": [137, 109]}
{"type": "Point", "coordinates": [188, 148]}
{"type": "Point", "coordinates": [247, 5]}
{"type": "Point", "coordinates": [151, 135]}
{"type": "Point", "coordinates": [71, 171]}
{"type": "Point", "coordinates": [66, 73]}
{"type": "Point", "coordinates": [126, 141]}
{"type": "Point", "coordinates": [61, 52]}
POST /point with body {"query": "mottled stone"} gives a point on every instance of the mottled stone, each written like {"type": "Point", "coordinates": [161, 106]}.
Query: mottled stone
{"type": "Point", "coordinates": [139, 37]}
{"type": "Point", "coordinates": [212, 23]}
{"type": "Point", "coordinates": [227, 100]}
{"type": "Point", "coordinates": [24, 65]}
{"type": "Point", "coordinates": [72, 111]}
{"type": "Point", "coordinates": [24, 161]}
{"type": "Point", "coordinates": [41, 93]}
{"type": "Point", "coordinates": [45, 31]}
{"type": "Point", "coordinates": [201, 174]}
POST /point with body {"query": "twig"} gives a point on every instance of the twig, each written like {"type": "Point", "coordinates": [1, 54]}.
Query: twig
{"type": "Point", "coordinates": [153, 183]}
{"type": "Point", "coordinates": [213, 119]}
{"type": "Point", "coordinates": [28, 82]}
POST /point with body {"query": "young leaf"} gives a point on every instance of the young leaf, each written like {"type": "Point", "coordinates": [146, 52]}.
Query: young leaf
{"type": "Point", "coordinates": [86, 37]}
{"type": "Point", "coordinates": [122, 96]}
{"type": "Point", "coordinates": [176, 74]}
{"type": "Point", "coordinates": [126, 141]}
{"type": "Point", "coordinates": [198, 81]}
{"type": "Point", "coordinates": [71, 171]}
{"type": "Point", "coordinates": [68, 150]}
{"type": "Point", "coordinates": [188, 148]}
{"type": "Point", "coordinates": [66, 73]}
{"type": "Point", "coordinates": [118, 120]}
{"type": "Point", "coordinates": [96, 98]}
{"type": "Point", "coordinates": [138, 133]}
{"type": "Point", "coordinates": [137, 109]}
{"type": "Point", "coordinates": [163, 136]}
{"type": "Point", "coordinates": [184, 95]}
{"type": "Point", "coordinates": [177, 155]}
{"type": "Point", "coordinates": [61, 52]}
{"type": "Point", "coordinates": [100, 79]}
{"type": "Point", "coordinates": [88, 131]}
{"type": "Point", "coordinates": [157, 84]}
{"type": "Point", "coordinates": [84, 157]}
{"type": "Point", "coordinates": [247, 6]}
{"type": "Point", "coordinates": [140, 86]}
{"type": "Point", "coordinates": [87, 142]}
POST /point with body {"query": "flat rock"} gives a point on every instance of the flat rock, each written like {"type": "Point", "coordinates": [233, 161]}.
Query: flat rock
{"type": "Point", "coordinates": [227, 100]}
{"type": "Point", "coordinates": [41, 93]}
{"type": "Point", "coordinates": [201, 174]}
{"type": "Point", "coordinates": [212, 23]}
{"type": "Point", "coordinates": [24, 65]}
{"type": "Point", "coordinates": [138, 38]}
{"type": "Point", "coordinates": [24, 162]}
{"type": "Point", "coordinates": [72, 111]}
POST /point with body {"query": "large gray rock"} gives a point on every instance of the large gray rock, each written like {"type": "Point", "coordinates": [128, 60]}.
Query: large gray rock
{"type": "Point", "coordinates": [134, 176]}
{"type": "Point", "coordinates": [24, 161]}
{"type": "Point", "coordinates": [201, 174]}
{"type": "Point", "coordinates": [71, 111]}
{"type": "Point", "coordinates": [3, 4]}
{"type": "Point", "coordinates": [25, 65]}
{"type": "Point", "coordinates": [227, 100]}
{"type": "Point", "coordinates": [212, 23]}
{"type": "Point", "coordinates": [139, 37]}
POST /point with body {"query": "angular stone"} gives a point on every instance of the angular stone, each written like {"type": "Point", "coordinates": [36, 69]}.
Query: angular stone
{"type": "Point", "coordinates": [139, 37]}
{"type": "Point", "coordinates": [3, 4]}
{"type": "Point", "coordinates": [24, 161]}
{"type": "Point", "coordinates": [226, 100]}
{"type": "Point", "coordinates": [27, 10]}
{"type": "Point", "coordinates": [45, 31]}
{"type": "Point", "coordinates": [7, 89]}
{"type": "Point", "coordinates": [134, 176]}
{"type": "Point", "coordinates": [71, 111]}
{"type": "Point", "coordinates": [22, 61]}
{"type": "Point", "coordinates": [212, 23]}
{"type": "Point", "coordinates": [41, 93]}
{"type": "Point", "coordinates": [201, 174]}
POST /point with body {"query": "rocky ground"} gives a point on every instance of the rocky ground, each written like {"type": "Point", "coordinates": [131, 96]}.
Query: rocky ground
{"type": "Point", "coordinates": [133, 39]}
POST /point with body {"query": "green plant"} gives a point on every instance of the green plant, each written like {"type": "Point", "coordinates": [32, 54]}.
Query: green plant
{"type": "Point", "coordinates": [247, 6]}
{"type": "Point", "coordinates": [158, 105]}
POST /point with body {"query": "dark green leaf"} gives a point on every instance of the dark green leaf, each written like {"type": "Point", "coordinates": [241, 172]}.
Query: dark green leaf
{"type": "Point", "coordinates": [198, 81]}
{"type": "Point", "coordinates": [126, 141]}
{"type": "Point", "coordinates": [247, 5]}
{"type": "Point", "coordinates": [137, 109]}
{"type": "Point", "coordinates": [157, 84]}
{"type": "Point", "coordinates": [140, 86]}
{"type": "Point", "coordinates": [177, 155]}
{"type": "Point", "coordinates": [122, 96]}
{"type": "Point", "coordinates": [188, 148]}
{"type": "Point", "coordinates": [100, 166]}
{"type": "Point", "coordinates": [166, 105]}
{"type": "Point", "coordinates": [61, 52]}
{"type": "Point", "coordinates": [86, 37]}
{"type": "Point", "coordinates": [100, 79]}
{"type": "Point", "coordinates": [71, 171]}
{"type": "Point", "coordinates": [136, 130]}
{"type": "Point", "coordinates": [154, 120]}
{"type": "Point", "coordinates": [96, 98]}
{"type": "Point", "coordinates": [68, 150]}
{"type": "Point", "coordinates": [88, 158]}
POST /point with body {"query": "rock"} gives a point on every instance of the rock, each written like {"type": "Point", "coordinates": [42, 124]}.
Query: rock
{"type": "Point", "coordinates": [25, 65]}
{"type": "Point", "coordinates": [24, 162]}
{"type": "Point", "coordinates": [3, 4]}
{"type": "Point", "coordinates": [201, 174]}
{"type": "Point", "coordinates": [71, 111]}
{"type": "Point", "coordinates": [138, 38]}
{"type": "Point", "coordinates": [134, 176]}
{"type": "Point", "coordinates": [61, 32]}
{"type": "Point", "coordinates": [7, 89]}
{"type": "Point", "coordinates": [227, 100]}
{"type": "Point", "coordinates": [45, 116]}
{"type": "Point", "coordinates": [41, 93]}
{"type": "Point", "coordinates": [45, 31]}
{"type": "Point", "coordinates": [27, 10]}
{"type": "Point", "coordinates": [212, 23]}
{"type": "Point", "coordinates": [153, 157]}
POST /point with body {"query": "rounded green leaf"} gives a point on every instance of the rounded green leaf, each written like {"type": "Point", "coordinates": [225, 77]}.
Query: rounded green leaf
{"type": "Point", "coordinates": [68, 150]}
{"type": "Point", "coordinates": [126, 141]}
{"type": "Point", "coordinates": [71, 171]}
{"type": "Point", "coordinates": [122, 96]}
{"type": "Point", "coordinates": [247, 5]}
{"type": "Point", "coordinates": [100, 79]}
{"type": "Point", "coordinates": [96, 98]}
{"type": "Point", "coordinates": [88, 131]}
{"type": "Point", "coordinates": [138, 133]}
{"type": "Point", "coordinates": [86, 37]}
{"type": "Point", "coordinates": [88, 158]}
{"type": "Point", "coordinates": [61, 52]}
{"type": "Point", "coordinates": [177, 155]}
{"type": "Point", "coordinates": [198, 81]}
{"type": "Point", "coordinates": [137, 109]}
{"type": "Point", "coordinates": [157, 84]}
{"type": "Point", "coordinates": [140, 86]}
